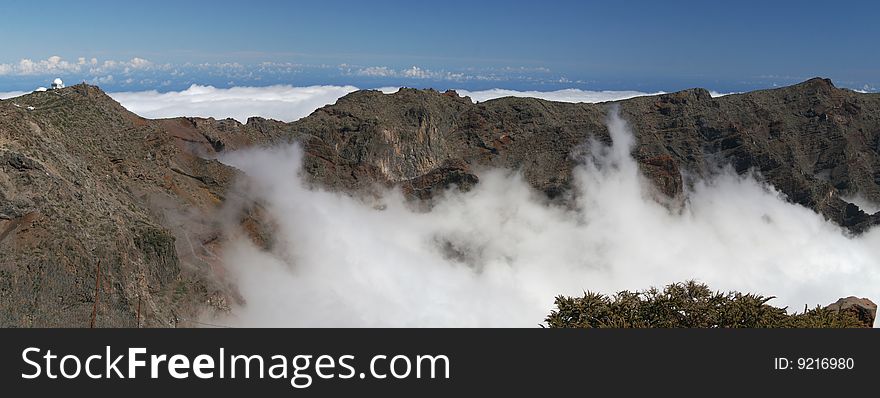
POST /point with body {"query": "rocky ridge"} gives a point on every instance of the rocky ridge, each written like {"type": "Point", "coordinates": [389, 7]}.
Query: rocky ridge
{"type": "Point", "coordinates": [86, 185]}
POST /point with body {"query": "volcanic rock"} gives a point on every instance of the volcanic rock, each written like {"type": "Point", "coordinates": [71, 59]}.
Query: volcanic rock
{"type": "Point", "coordinates": [86, 185]}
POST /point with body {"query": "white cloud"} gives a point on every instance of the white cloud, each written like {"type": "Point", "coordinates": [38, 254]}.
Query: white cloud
{"type": "Point", "coordinates": [286, 103]}
{"type": "Point", "coordinates": [57, 65]}
{"type": "Point", "coordinates": [139, 63]}
{"type": "Point", "coordinates": [11, 94]}
{"type": "Point", "coordinates": [377, 71]}
{"type": "Point", "coordinates": [51, 65]}
{"type": "Point", "coordinates": [524, 69]}
{"type": "Point", "coordinates": [867, 88]}
{"type": "Point", "coordinates": [863, 203]}
{"type": "Point", "coordinates": [498, 255]}
{"type": "Point", "coordinates": [388, 90]}
{"type": "Point", "coordinates": [417, 73]}
{"type": "Point", "coordinates": [716, 94]}
{"type": "Point", "coordinates": [567, 95]}
{"type": "Point", "coordinates": [414, 72]}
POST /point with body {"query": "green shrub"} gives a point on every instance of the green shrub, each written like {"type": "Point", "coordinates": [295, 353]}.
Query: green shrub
{"type": "Point", "coordinates": [689, 305]}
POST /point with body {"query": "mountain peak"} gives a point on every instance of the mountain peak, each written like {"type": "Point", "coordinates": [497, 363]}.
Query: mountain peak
{"type": "Point", "coordinates": [820, 81]}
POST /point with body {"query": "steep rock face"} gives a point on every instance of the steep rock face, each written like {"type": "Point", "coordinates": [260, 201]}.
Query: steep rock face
{"type": "Point", "coordinates": [369, 138]}
{"type": "Point", "coordinates": [85, 183]}
{"type": "Point", "coordinates": [813, 142]}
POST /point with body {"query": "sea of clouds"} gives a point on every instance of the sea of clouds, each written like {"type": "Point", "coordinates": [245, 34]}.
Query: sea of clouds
{"type": "Point", "coordinates": [289, 103]}
{"type": "Point", "coordinates": [344, 261]}
{"type": "Point", "coordinates": [282, 102]}
{"type": "Point", "coordinates": [11, 94]}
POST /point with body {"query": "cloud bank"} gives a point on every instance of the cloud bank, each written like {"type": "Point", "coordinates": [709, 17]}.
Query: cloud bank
{"type": "Point", "coordinates": [499, 254]}
{"type": "Point", "coordinates": [567, 95]}
{"type": "Point", "coordinates": [56, 65]}
{"type": "Point", "coordinates": [11, 94]}
{"type": "Point", "coordinates": [286, 103]}
{"type": "Point", "coordinates": [289, 103]}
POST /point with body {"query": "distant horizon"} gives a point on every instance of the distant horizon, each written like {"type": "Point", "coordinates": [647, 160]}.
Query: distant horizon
{"type": "Point", "coordinates": [177, 83]}
{"type": "Point", "coordinates": [643, 46]}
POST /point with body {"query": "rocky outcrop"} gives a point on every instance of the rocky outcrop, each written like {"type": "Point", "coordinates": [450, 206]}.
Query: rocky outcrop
{"type": "Point", "coordinates": [864, 309]}
{"type": "Point", "coordinates": [87, 187]}
{"type": "Point", "coordinates": [815, 143]}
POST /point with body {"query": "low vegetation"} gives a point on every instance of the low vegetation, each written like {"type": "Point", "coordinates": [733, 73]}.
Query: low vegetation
{"type": "Point", "coordinates": [689, 305]}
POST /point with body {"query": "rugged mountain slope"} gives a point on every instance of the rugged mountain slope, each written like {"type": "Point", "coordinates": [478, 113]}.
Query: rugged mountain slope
{"type": "Point", "coordinates": [84, 182]}
{"type": "Point", "coordinates": [812, 141]}
{"type": "Point", "coordinates": [86, 185]}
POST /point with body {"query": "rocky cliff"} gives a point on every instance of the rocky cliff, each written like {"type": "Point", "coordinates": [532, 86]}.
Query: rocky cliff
{"type": "Point", "coordinates": [87, 187]}
{"type": "Point", "coordinates": [812, 141]}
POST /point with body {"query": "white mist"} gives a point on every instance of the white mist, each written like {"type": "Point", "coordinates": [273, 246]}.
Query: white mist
{"type": "Point", "coordinates": [340, 261]}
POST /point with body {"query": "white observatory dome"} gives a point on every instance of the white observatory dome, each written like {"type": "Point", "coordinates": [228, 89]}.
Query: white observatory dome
{"type": "Point", "coordinates": [57, 83]}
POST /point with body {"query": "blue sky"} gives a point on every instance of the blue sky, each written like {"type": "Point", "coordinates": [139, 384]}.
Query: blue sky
{"type": "Point", "coordinates": [644, 45]}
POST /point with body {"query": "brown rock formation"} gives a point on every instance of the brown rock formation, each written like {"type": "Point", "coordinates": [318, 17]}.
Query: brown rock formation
{"type": "Point", "coordinates": [83, 180]}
